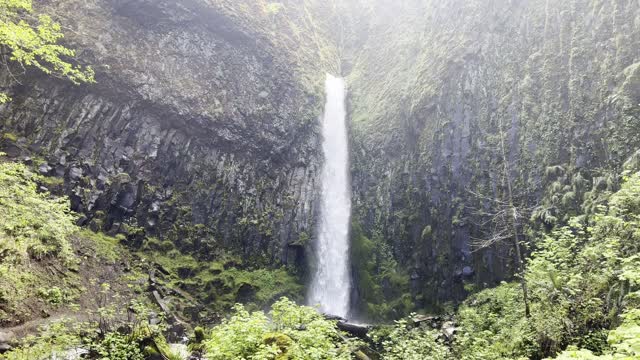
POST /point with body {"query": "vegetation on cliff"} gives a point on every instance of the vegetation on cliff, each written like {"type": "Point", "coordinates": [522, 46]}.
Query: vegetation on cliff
{"type": "Point", "coordinates": [33, 39]}
{"type": "Point", "coordinates": [490, 185]}
{"type": "Point", "coordinates": [584, 283]}
{"type": "Point", "coordinates": [436, 85]}
{"type": "Point", "coordinates": [91, 285]}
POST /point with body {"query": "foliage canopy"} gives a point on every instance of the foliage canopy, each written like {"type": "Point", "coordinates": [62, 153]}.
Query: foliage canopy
{"type": "Point", "coordinates": [290, 332]}
{"type": "Point", "coordinates": [584, 280]}
{"type": "Point", "coordinates": [32, 39]}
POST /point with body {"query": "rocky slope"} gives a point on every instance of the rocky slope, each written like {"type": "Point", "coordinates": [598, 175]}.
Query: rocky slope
{"type": "Point", "coordinates": [201, 128]}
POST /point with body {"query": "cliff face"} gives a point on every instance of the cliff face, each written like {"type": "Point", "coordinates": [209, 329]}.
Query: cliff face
{"type": "Point", "coordinates": [437, 84]}
{"type": "Point", "coordinates": [201, 128]}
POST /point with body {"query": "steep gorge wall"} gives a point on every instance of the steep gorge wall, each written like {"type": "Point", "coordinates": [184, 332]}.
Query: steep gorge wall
{"type": "Point", "coordinates": [434, 84]}
{"type": "Point", "coordinates": [202, 128]}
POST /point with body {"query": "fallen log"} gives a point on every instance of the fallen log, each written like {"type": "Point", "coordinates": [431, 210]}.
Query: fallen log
{"type": "Point", "coordinates": [358, 330]}
{"type": "Point", "coordinates": [161, 303]}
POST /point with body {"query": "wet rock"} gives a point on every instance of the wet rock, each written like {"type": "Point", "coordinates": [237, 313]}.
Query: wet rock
{"type": "Point", "coordinates": [59, 171]}
{"type": "Point", "coordinates": [72, 354]}
{"type": "Point", "coordinates": [154, 319]}
{"type": "Point", "coordinates": [114, 229]}
{"type": "Point", "coordinates": [95, 225]}
{"type": "Point", "coordinates": [75, 173]}
{"type": "Point", "coordinates": [11, 149]}
{"type": "Point", "coordinates": [467, 271]}
{"type": "Point", "coordinates": [245, 293]}
{"type": "Point", "coordinates": [82, 220]}
{"type": "Point", "coordinates": [359, 330]}
{"type": "Point", "coordinates": [44, 169]}
{"type": "Point", "coordinates": [7, 338]}
{"type": "Point", "coordinates": [449, 329]}
{"type": "Point", "coordinates": [419, 319]}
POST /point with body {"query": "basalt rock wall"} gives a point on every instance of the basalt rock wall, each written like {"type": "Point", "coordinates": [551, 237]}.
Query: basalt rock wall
{"type": "Point", "coordinates": [437, 86]}
{"type": "Point", "coordinates": [201, 129]}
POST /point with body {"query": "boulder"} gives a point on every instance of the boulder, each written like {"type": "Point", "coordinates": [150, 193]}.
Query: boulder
{"type": "Point", "coordinates": [7, 338]}
{"type": "Point", "coordinates": [449, 329]}
{"type": "Point", "coordinates": [44, 169]}
{"type": "Point", "coordinates": [358, 330]}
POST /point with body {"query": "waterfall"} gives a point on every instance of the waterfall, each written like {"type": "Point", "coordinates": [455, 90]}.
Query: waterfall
{"type": "Point", "coordinates": [331, 280]}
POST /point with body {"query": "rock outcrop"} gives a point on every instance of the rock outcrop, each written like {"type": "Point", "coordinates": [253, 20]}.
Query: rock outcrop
{"type": "Point", "coordinates": [436, 84]}
{"type": "Point", "coordinates": [201, 129]}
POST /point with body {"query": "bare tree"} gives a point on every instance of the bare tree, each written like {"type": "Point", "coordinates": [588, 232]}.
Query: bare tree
{"type": "Point", "coordinates": [502, 222]}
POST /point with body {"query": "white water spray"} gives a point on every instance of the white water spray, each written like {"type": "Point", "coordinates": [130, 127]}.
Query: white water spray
{"type": "Point", "coordinates": [331, 283]}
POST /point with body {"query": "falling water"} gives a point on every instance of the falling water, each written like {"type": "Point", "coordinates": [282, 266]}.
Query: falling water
{"type": "Point", "coordinates": [331, 281]}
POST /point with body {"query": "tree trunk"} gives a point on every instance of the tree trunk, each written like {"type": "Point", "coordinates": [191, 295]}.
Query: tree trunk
{"type": "Point", "coordinates": [523, 282]}
{"type": "Point", "coordinates": [514, 223]}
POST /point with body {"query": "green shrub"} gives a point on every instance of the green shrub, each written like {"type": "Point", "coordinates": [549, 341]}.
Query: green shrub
{"type": "Point", "coordinates": [405, 342]}
{"type": "Point", "coordinates": [293, 332]}
{"type": "Point", "coordinates": [54, 339]}
{"type": "Point", "coordinates": [625, 339]}
{"type": "Point", "coordinates": [493, 326]}
{"type": "Point", "coordinates": [116, 346]}
{"type": "Point", "coordinates": [33, 224]}
{"type": "Point", "coordinates": [58, 337]}
{"type": "Point", "coordinates": [581, 278]}
{"type": "Point", "coordinates": [54, 295]}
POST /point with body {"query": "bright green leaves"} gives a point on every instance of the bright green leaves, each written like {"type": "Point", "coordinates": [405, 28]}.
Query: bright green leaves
{"type": "Point", "coordinates": [626, 338]}
{"type": "Point", "coordinates": [33, 224]}
{"type": "Point", "coordinates": [33, 40]}
{"type": "Point", "coordinates": [16, 5]}
{"type": "Point", "coordinates": [292, 332]}
{"type": "Point", "coordinates": [493, 325]}
{"type": "Point", "coordinates": [238, 337]}
{"type": "Point", "coordinates": [584, 279]}
{"type": "Point", "coordinates": [404, 341]}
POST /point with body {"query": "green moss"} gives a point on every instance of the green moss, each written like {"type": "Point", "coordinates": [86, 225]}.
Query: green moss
{"type": "Point", "coordinates": [173, 260]}
{"type": "Point", "coordinates": [133, 231]}
{"type": "Point", "coordinates": [223, 283]}
{"type": "Point", "coordinates": [106, 247]}
{"type": "Point", "coordinates": [10, 137]}
{"type": "Point", "coordinates": [121, 178]}
{"type": "Point", "coordinates": [281, 341]}
{"type": "Point", "coordinates": [51, 182]}
{"type": "Point", "coordinates": [198, 334]}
